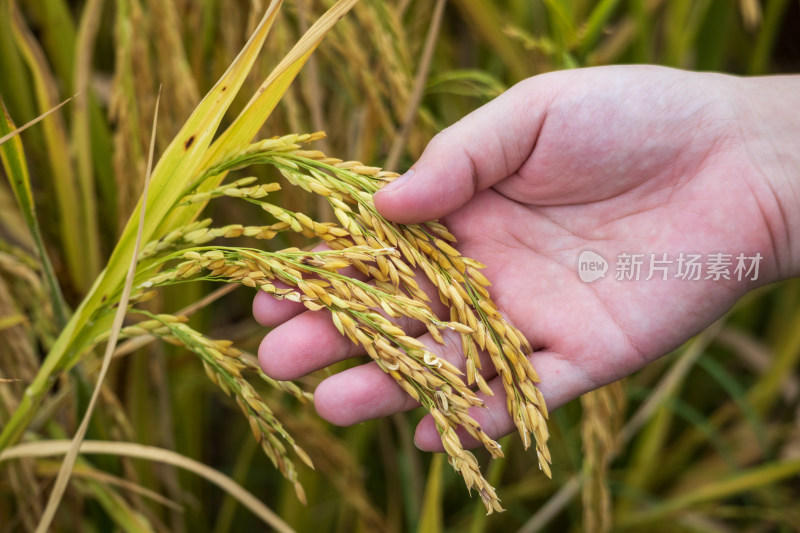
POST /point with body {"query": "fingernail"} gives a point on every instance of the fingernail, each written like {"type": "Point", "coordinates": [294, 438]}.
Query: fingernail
{"type": "Point", "coordinates": [398, 183]}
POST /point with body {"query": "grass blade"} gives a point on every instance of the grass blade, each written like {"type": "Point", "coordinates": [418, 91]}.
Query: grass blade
{"type": "Point", "coordinates": [24, 127]}
{"type": "Point", "coordinates": [152, 453]}
{"type": "Point", "coordinates": [749, 480]}
{"type": "Point", "coordinates": [81, 135]}
{"type": "Point", "coordinates": [72, 454]}
{"type": "Point", "coordinates": [57, 143]}
{"type": "Point", "coordinates": [16, 169]}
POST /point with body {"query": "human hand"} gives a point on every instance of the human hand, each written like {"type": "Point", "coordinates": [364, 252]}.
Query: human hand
{"type": "Point", "coordinates": [635, 160]}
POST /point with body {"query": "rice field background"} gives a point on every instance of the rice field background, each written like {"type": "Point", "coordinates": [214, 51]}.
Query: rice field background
{"type": "Point", "coordinates": [705, 439]}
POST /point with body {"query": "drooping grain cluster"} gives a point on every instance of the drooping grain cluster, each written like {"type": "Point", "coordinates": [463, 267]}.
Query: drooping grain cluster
{"type": "Point", "coordinates": [225, 365]}
{"type": "Point", "coordinates": [392, 257]}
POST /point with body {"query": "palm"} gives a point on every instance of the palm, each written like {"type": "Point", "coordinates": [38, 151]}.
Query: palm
{"type": "Point", "coordinates": [593, 333]}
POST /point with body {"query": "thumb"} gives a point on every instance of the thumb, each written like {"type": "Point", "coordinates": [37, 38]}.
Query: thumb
{"type": "Point", "coordinates": [485, 147]}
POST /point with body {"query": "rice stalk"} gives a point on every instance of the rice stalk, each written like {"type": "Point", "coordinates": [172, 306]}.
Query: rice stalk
{"type": "Point", "coordinates": [603, 414]}
{"type": "Point", "coordinates": [423, 69]}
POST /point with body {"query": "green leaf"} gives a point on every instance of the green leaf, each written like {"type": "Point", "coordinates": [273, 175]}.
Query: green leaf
{"type": "Point", "coordinates": [13, 157]}
{"type": "Point", "coordinates": [258, 110]}
{"type": "Point", "coordinates": [174, 171]}
{"type": "Point", "coordinates": [77, 237]}
{"type": "Point", "coordinates": [717, 491]}
{"type": "Point", "coordinates": [595, 25]}
{"type": "Point", "coordinates": [430, 521]}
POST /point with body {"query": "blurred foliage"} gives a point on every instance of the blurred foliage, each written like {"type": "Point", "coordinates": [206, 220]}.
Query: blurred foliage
{"type": "Point", "coordinates": [710, 438]}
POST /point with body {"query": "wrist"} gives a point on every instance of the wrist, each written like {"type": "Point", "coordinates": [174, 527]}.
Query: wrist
{"type": "Point", "coordinates": [770, 125]}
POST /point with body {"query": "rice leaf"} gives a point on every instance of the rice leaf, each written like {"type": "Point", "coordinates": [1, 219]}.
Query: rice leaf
{"type": "Point", "coordinates": [58, 34]}
{"type": "Point", "coordinates": [16, 169]}
{"type": "Point", "coordinates": [765, 41]}
{"type": "Point", "coordinates": [717, 491]}
{"type": "Point", "coordinates": [81, 132]}
{"type": "Point", "coordinates": [117, 508]}
{"type": "Point", "coordinates": [74, 234]}
{"type": "Point", "coordinates": [24, 127]}
{"type": "Point", "coordinates": [485, 19]}
{"type": "Point", "coordinates": [737, 392]}
{"type": "Point", "coordinates": [767, 390]}
{"type": "Point", "coordinates": [15, 82]}
{"type": "Point", "coordinates": [430, 520]}
{"type": "Point", "coordinates": [87, 471]}
{"type": "Point", "coordinates": [564, 26]}
{"type": "Point", "coordinates": [160, 455]}
{"type": "Point", "coordinates": [178, 164]}
{"type": "Point", "coordinates": [260, 106]}
{"type": "Point", "coordinates": [594, 26]}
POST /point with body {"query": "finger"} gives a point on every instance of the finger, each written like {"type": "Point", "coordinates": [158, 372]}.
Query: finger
{"type": "Point", "coordinates": [361, 393]}
{"type": "Point", "coordinates": [561, 381]}
{"type": "Point", "coordinates": [302, 342]}
{"type": "Point", "coordinates": [366, 392]}
{"type": "Point", "coordinates": [270, 311]}
{"type": "Point", "coordinates": [473, 154]}
{"type": "Point", "coordinates": [309, 342]}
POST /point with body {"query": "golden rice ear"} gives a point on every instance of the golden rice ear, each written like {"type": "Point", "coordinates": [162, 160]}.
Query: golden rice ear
{"type": "Point", "coordinates": [601, 422]}
{"type": "Point", "coordinates": [387, 253]}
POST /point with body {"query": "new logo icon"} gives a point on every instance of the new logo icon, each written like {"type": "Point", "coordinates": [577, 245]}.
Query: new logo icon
{"type": "Point", "coordinates": [591, 266]}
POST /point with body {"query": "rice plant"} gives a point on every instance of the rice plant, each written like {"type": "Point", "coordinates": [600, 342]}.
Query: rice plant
{"type": "Point", "coordinates": [99, 245]}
